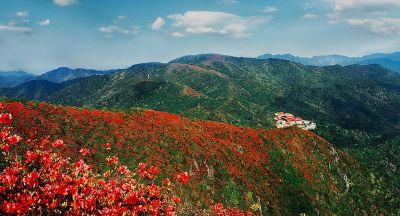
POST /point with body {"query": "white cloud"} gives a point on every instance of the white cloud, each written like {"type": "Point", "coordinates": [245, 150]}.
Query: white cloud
{"type": "Point", "coordinates": [389, 26]}
{"type": "Point", "coordinates": [64, 2]}
{"type": "Point", "coordinates": [110, 30]}
{"type": "Point", "coordinates": [352, 7]}
{"type": "Point", "coordinates": [371, 15]}
{"type": "Point", "coordinates": [5, 28]}
{"type": "Point", "coordinates": [44, 22]}
{"type": "Point", "coordinates": [22, 14]}
{"type": "Point", "coordinates": [270, 9]}
{"type": "Point", "coordinates": [120, 18]}
{"type": "Point", "coordinates": [158, 24]}
{"type": "Point", "coordinates": [236, 30]}
{"type": "Point", "coordinates": [207, 22]}
{"type": "Point", "coordinates": [177, 34]}
{"type": "Point", "coordinates": [309, 16]}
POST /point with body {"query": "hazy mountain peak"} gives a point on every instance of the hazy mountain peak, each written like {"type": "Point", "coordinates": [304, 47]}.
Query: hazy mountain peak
{"type": "Point", "coordinates": [390, 61]}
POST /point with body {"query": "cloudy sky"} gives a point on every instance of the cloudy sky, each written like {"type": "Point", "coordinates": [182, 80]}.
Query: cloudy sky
{"type": "Point", "coordinates": [38, 35]}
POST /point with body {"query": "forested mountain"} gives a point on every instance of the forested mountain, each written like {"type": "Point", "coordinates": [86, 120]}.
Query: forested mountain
{"type": "Point", "coordinates": [14, 78]}
{"type": "Point", "coordinates": [357, 101]}
{"type": "Point", "coordinates": [64, 74]}
{"type": "Point", "coordinates": [390, 61]}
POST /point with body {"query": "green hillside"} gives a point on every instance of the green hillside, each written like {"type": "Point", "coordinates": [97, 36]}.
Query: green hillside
{"type": "Point", "coordinates": [351, 104]}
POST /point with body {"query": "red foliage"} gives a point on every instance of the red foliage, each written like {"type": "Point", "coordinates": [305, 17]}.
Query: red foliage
{"type": "Point", "coordinates": [5, 118]}
{"type": "Point", "coordinates": [58, 143]}
{"type": "Point", "coordinates": [46, 183]}
{"type": "Point", "coordinates": [169, 142]}
{"type": "Point", "coordinates": [84, 152]}
{"type": "Point", "coordinates": [183, 177]}
{"type": "Point", "coordinates": [221, 211]}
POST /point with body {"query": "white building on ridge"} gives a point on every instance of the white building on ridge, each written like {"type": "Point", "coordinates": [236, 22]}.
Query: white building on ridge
{"type": "Point", "coordinates": [284, 120]}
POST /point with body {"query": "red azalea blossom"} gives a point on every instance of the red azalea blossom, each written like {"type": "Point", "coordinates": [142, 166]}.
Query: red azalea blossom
{"type": "Point", "coordinates": [123, 170]}
{"type": "Point", "coordinates": [4, 135]}
{"type": "Point", "coordinates": [31, 179]}
{"type": "Point", "coordinates": [153, 190]}
{"type": "Point", "coordinates": [219, 210]}
{"type": "Point", "coordinates": [14, 139]}
{"type": "Point", "coordinates": [58, 144]}
{"type": "Point", "coordinates": [183, 177]}
{"type": "Point", "coordinates": [154, 170]}
{"type": "Point", "coordinates": [5, 118]}
{"type": "Point", "coordinates": [108, 146]}
{"type": "Point", "coordinates": [150, 173]}
{"type": "Point", "coordinates": [9, 178]}
{"type": "Point", "coordinates": [13, 208]}
{"type": "Point", "coordinates": [84, 151]}
{"type": "Point", "coordinates": [30, 156]}
{"type": "Point", "coordinates": [133, 198]}
{"type": "Point", "coordinates": [166, 182]}
{"type": "Point", "coordinates": [82, 166]}
{"type": "Point", "coordinates": [5, 147]}
{"type": "Point", "coordinates": [169, 211]}
{"type": "Point", "coordinates": [112, 160]}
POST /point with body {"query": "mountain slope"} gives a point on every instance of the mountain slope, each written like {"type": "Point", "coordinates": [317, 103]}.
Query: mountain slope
{"type": "Point", "coordinates": [390, 61]}
{"type": "Point", "coordinates": [64, 74]}
{"type": "Point", "coordinates": [385, 62]}
{"type": "Point", "coordinates": [347, 102]}
{"type": "Point", "coordinates": [14, 78]}
{"type": "Point", "coordinates": [286, 171]}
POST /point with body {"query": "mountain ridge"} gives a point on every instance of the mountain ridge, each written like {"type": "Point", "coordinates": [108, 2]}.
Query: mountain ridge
{"type": "Point", "coordinates": [243, 91]}
{"type": "Point", "coordinates": [392, 60]}
{"type": "Point", "coordinates": [14, 78]}
{"type": "Point", "coordinates": [58, 75]}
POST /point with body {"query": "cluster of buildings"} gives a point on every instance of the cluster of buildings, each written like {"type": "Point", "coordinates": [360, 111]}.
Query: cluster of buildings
{"type": "Point", "coordinates": [284, 120]}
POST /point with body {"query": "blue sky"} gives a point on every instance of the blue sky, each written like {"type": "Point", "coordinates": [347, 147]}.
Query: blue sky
{"type": "Point", "coordinates": [39, 35]}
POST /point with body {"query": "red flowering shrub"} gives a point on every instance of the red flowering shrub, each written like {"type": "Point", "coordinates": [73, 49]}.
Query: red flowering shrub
{"type": "Point", "coordinates": [221, 211]}
{"type": "Point", "coordinates": [213, 152]}
{"type": "Point", "coordinates": [183, 177]}
{"type": "Point", "coordinates": [84, 151]}
{"type": "Point", "coordinates": [43, 182]}
{"type": "Point", "coordinates": [5, 118]}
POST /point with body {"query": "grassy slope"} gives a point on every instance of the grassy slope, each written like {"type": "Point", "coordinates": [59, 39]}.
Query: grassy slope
{"type": "Point", "coordinates": [291, 170]}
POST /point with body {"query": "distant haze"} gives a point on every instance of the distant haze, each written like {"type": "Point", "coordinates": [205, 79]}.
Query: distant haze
{"type": "Point", "coordinates": [38, 36]}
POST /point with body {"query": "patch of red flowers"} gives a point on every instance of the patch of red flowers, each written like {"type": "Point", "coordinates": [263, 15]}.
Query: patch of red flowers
{"type": "Point", "coordinates": [147, 172]}
{"type": "Point", "coordinates": [220, 210]}
{"type": "Point", "coordinates": [46, 183]}
{"type": "Point", "coordinates": [183, 177]}
{"type": "Point", "coordinates": [58, 144]}
{"type": "Point", "coordinates": [112, 160]}
{"type": "Point", "coordinates": [84, 151]}
{"type": "Point", "coordinates": [5, 118]}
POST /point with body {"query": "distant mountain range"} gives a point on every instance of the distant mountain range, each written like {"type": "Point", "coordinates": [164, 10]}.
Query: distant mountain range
{"type": "Point", "coordinates": [14, 78]}
{"type": "Point", "coordinates": [390, 61]}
